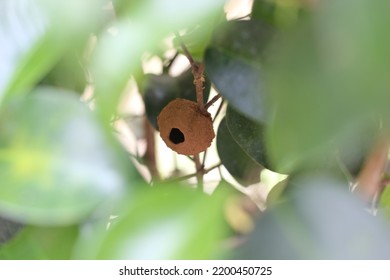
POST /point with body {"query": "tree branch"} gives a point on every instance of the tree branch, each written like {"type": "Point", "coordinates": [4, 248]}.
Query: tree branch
{"type": "Point", "coordinates": [212, 101]}
{"type": "Point", "coordinates": [185, 177]}
{"type": "Point", "coordinates": [197, 72]}
{"type": "Point", "coordinates": [215, 116]}
{"type": "Point", "coordinates": [218, 110]}
{"type": "Point", "coordinates": [199, 172]}
{"type": "Point", "coordinates": [369, 180]}
{"type": "Point", "coordinates": [170, 62]}
{"type": "Point", "coordinates": [150, 154]}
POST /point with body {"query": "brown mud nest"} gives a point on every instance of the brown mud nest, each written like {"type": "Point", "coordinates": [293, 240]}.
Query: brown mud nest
{"type": "Point", "coordinates": [184, 128]}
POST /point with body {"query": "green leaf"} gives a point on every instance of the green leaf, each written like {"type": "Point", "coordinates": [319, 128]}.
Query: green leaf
{"type": "Point", "coordinates": [264, 10]}
{"type": "Point", "coordinates": [8, 229]}
{"type": "Point", "coordinates": [275, 195]}
{"type": "Point", "coordinates": [167, 223]}
{"type": "Point", "coordinates": [122, 7]}
{"type": "Point", "coordinates": [278, 13]}
{"type": "Point", "coordinates": [384, 203]}
{"type": "Point", "coordinates": [117, 57]}
{"type": "Point", "coordinates": [241, 166]}
{"type": "Point", "coordinates": [239, 209]}
{"type": "Point", "coordinates": [169, 15]}
{"type": "Point", "coordinates": [197, 38]}
{"type": "Point", "coordinates": [41, 243]}
{"type": "Point", "coordinates": [57, 163]}
{"type": "Point", "coordinates": [320, 220]}
{"type": "Point", "coordinates": [32, 44]}
{"type": "Point", "coordinates": [233, 64]}
{"type": "Point", "coordinates": [327, 83]}
{"type": "Point", "coordinates": [249, 135]}
{"type": "Point", "coordinates": [68, 73]}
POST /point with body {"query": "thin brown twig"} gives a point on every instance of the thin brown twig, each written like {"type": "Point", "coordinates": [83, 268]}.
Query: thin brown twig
{"type": "Point", "coordinates": [185, 177]}
{"type": "Point", "coordinates": [212, 101]}
{"type": "Point", "coordinates": [218, 110]}
{"type": "Point", "coordinates": [382, 187]}
{"type": "Point", "coordinates": [170, 62]}
{"type": "Point", "coordinates": [204, 157]}
{"type": "Point", "coordinates": [215, 116]}
{"type": "Point", "coordinates": [385, 182]}
{"type": "Point", "coordinates": [150, 154]}
{"type": "Point", "coordinates": [185, 50]}
{"type": "Point", "coordinates": [198, 81]}
{"type": "Point", "coordinates": [220, 172]}
{"type": "Point", "coordinates": [370, 177]}
{"type": "Point", "coordinates": [191, 158]}
{"type": "Point", "coordinates": [199, 172]}
{"type": "Point", "coordinates": [197, 71]}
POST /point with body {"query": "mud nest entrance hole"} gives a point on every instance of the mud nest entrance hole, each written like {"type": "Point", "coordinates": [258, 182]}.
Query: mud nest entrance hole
{"type": "Point", "coordinates": [176, 136]}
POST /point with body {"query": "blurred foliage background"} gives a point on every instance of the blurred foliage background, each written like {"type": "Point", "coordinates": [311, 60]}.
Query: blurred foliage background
{"type": "Point", "coordinates": [298, 169]}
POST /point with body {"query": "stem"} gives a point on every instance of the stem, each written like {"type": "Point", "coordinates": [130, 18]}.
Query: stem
{"type": "Point", "coordinates": [369, 181]}
{"type": "Point", "coordinates": [199, 80]}
{"type": "Point", "coordinates": [204, 157]}
{"type": "Point", "coordinates": [197, 71]}
{"type": "Point", "coordinates": [199, 172]}
{"type": "Point", "coordinates": [189, 176]}
{"type": "Point", "coordinates": [150, 154]}
{"type": "Point", "coordinates": [215, 116]}
{"type": "Point", "coordinates": [190, 158]}
{"type": "Point", "coordinates": [385, 182]}
{"type": "Point", "coordinates": [170, 62]}
{"type": "Point", "coordinates": [185, 50]}
{"type": "Point", "coordinates": [218, 110]}
{"type": "Point", "coordinates": [212, 101]}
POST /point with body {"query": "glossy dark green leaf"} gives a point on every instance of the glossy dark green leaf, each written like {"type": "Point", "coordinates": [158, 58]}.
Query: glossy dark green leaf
{"type": "Point", "coordinates": [241, 166]}
{"type": "Point", "coordinates": [32, 44]}
{"type": "Point", "coordinates": [158, 91]}
{"type": "Point", "coordinates": [41, 243]}
{"type": "Point", "coordinates": [167, 223]}
{"type": "Point", "coordinates": [233, 64]}
{"type": "Point", "coordinates": [249, 135]}
{"type": "Point", "coordinates": [236, 81]}
{"type": "Point", "coordinates": [57, 163]}
{"type": "Point", "coordinates": [320, 220]}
